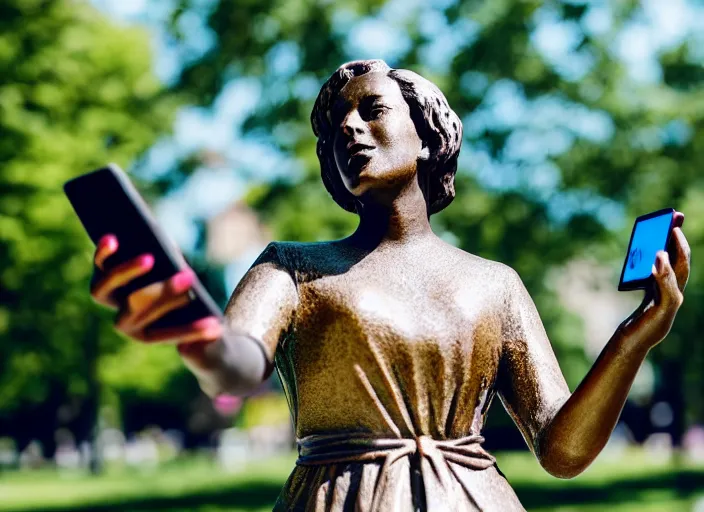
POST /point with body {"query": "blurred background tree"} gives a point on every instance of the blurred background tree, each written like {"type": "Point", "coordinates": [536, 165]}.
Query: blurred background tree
{"type": "Point", "coordinates": [75, 92]}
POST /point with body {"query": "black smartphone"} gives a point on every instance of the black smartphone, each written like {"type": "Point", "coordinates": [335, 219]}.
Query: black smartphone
{"type": "Point", "coordinates": [651, 233]}
{"type": "Point", "coordinates": [107, 202]}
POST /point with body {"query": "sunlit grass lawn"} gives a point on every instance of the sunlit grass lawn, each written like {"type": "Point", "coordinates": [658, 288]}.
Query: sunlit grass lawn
{"type": "Point", "coordinates": [631, 482]}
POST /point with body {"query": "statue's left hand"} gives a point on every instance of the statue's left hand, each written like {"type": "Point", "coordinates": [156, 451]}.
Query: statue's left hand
{"type": "Point", "coordinates": [652, 320]}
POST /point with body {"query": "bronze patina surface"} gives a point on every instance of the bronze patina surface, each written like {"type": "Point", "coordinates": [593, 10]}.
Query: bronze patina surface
{"type": "Point", "coordinates": [391, 343]}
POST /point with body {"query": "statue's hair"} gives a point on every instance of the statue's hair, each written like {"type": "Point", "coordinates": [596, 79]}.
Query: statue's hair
{"type": "Point", "coordinates": [436, 123]}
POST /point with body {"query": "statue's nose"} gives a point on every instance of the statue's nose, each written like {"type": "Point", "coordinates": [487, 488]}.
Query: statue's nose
{"type": "Point", "coordinates": [352, 124]}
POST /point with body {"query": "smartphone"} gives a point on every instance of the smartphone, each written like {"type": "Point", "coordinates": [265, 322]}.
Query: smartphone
{"type": "Point", "coordinates": [651, 233]}
{"type": "Point", "coordinates": [107, 202]}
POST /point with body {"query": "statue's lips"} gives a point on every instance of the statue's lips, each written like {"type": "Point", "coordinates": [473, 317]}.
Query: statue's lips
{"type": "Point", "coordinates": [360, 151]}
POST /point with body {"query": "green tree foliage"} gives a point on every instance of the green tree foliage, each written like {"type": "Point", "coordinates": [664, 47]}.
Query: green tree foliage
{"type": "Point", "coordinates": [562, 147]}
{"type": "Point", "coordinates": [75, 92]}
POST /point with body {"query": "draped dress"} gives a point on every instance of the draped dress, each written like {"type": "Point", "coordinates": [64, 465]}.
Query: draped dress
{"type": "Point", "coordinates": [389, 364]}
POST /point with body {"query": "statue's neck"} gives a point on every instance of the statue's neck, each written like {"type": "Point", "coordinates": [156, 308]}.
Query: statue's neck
{"type": "Point", "coordinates": [401, 219]}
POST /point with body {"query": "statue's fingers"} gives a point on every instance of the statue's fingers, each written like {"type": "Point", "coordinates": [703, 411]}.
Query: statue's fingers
{"type": "Point", "coordinates": [107, 246]}
{"type": "Point", "coordinates": [150, 303]}
{"type": "Point", "coordinates": [205, 329]}
{"type": "Point", "coordinates": [678, 219]}
{"type": "Point", "coordinates": [103, 289]}
{"type": "Point", "coordinates": [680, 255]}
{"type": "Point", "coordinates": [668, 294]}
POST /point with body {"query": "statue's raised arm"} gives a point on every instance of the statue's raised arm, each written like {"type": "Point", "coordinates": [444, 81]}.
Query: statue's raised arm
{"type": "Point", "coordinates": [567, 432]}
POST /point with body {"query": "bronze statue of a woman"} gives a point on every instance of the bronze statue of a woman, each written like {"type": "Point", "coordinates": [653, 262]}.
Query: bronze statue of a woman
{"type": "Point", "coordinates": [391, 343]}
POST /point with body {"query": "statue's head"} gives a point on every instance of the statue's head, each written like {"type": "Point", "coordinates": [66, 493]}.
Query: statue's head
{"type": "Point", "coordinates": [378, 128]}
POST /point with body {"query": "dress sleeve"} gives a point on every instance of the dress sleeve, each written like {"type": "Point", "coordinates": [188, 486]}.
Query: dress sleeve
{"type": "Point", "coordinates": [530, 383]}
{"type": "Point", "coordinates": [264, 302]}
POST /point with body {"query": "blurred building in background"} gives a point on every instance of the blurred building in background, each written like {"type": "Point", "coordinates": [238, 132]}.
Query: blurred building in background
{"type": "Point", "coordinates": [234, 233]}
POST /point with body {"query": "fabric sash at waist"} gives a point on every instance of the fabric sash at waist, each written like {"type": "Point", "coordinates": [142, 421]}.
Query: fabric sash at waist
{"type": "Point", "coordinates": [322, 449]}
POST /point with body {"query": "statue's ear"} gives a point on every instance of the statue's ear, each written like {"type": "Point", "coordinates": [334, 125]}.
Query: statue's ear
{"type": "Point", "coordinates": [424, 153]}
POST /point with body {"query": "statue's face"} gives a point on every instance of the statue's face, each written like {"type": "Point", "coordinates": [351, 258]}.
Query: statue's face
{"type": "Point", "coordinates": [376, 145]}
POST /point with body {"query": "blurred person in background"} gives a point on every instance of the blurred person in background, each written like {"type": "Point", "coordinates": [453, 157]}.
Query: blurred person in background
{"type": "Point", "coordinates": [392, 343]}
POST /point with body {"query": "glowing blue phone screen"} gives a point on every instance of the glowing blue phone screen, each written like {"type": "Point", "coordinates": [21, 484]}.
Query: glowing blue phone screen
{"type": "Point", "coordinates": [650, 237]}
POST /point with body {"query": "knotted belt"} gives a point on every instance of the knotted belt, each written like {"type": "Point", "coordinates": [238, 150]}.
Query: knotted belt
{"type": "Point", "coordinates": [430, 458]}
{"type": "Point", "coordinates": [320, 449]}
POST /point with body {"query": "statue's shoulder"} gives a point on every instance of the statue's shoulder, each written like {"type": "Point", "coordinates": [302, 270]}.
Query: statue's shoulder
{"type": "Point", "coordinates": [491, 276]}
{"type": "Point", "coordinates": [301, 249]}
{"type": "Point", "coordinates": [299, 256]}
{"type": "Point", "coordinates": [497, 271]}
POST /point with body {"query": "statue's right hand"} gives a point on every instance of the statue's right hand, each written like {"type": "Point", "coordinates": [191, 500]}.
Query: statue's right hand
{"type": "Point", "coordinates": [146, 305]}
{"type": "Point", "coordinates": [107, 280]}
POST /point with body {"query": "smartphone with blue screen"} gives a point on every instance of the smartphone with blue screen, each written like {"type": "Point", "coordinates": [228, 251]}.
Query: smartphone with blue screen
{"type": "Point", "coordinates": [651, 233]}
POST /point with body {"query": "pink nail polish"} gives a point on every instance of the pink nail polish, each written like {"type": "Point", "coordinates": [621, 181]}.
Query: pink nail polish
{"type": "Point", "coordinates": [206, 322]}
{"type": "Point", "coordinates": [146, 261]}
{"type": "Point", "coordinates": [108, 242]}
{"type": "Point", "coordinates": [182, 280]}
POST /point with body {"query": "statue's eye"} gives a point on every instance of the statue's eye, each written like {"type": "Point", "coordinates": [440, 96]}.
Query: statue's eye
{"type": "Point", "coordinates": [377, 111]}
